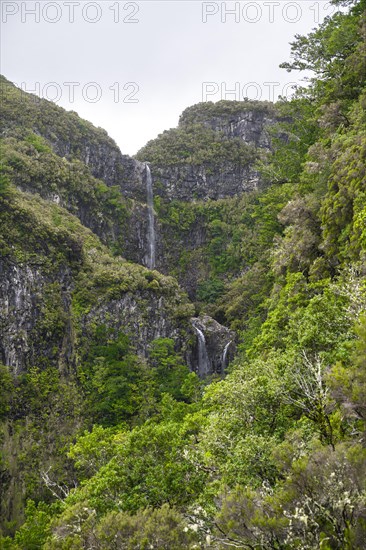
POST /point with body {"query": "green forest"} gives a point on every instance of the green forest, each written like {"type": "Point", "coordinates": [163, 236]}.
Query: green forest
{"type": "Point", "coordinates": [106, 447]}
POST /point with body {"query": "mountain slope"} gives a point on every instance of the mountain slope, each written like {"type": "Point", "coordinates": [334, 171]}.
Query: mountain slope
{"type": "Point", "coordinates": [270, 456]}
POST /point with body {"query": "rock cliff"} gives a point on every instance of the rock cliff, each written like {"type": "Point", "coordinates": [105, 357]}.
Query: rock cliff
{"type": "Point", "coordinates": [209, 159]}
{"type": "Point", "coordinates": [57, 283]}
{"type": "Point", "coordinates": [213, 151]}
{"type": "Point", "coordinates": [76, 227]}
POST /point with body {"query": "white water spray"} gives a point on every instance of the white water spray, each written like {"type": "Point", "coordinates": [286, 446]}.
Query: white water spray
{"type": "Point", "coordinates": [224, 355]}
{"type": "Point", "coordinates": [203, 360]}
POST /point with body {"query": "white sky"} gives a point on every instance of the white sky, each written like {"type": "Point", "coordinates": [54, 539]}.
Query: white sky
{"type": "Point", "coordinates": [164, 48]}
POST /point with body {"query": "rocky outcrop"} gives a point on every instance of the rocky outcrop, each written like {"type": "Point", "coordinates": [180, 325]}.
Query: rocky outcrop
{"type": "Point", "coordinates": [115, 169]}
{"type": "Point", "coordinates": [38, 326]}
{"type": "Point", "coordinates": [189, 182]}
{"type": "Point", "coordinates": [250, 122]}
{"type": "Point", "coordinates": [34, 314]}
{"type": "Point", "coordinates": [113, 204]}
{"type": "Point", "coordinates": [222, 177]}
{"type": "Point", "coordinates": [143, 316]}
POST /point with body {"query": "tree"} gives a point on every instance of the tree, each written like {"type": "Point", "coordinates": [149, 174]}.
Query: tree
{"type": "Point", "coordinates": [334, 53]}
{"type": "Point", "coordinates": [320, 504]}
{"type": "Point", "coordinates": [169, 371]}
{"type": "Point", "coordinates": [118, 382]}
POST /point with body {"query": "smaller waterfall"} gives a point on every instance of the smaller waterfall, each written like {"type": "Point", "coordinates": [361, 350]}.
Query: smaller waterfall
{"type": "Point", "coordinates": [224, 355]}
{"type": "Point", "coordinates": [203, 360]}
{"type": "Point", "coordinates": [150, 261]}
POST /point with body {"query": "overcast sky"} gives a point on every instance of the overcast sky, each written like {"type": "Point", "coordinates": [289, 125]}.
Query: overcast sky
{"type": "Point", "coordinates": [132, 67]}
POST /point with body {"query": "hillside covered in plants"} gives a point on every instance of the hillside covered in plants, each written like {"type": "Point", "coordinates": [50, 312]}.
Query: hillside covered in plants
{"type": "Point", "coordinates": [183, 334]}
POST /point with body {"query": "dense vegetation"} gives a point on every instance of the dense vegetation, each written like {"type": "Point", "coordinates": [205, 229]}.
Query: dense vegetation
{"type": "Point", "coordinates": [22, 112]}
{"type": "Point", "coordinates": [205, 112]}
{"type": "Point", "coordinates": [43, 408]}
{"type": "Point", "coordinates": [31, 164]}
{"type": "Point", "coordinates": [195, 144]}
{"type": "Point", "coordinates": [272, 457]}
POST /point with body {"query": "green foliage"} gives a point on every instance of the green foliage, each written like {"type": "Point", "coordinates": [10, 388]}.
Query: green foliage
{"type": "Point", "coordinates": [161, 529]}
{"type": "Point", "coordinates": [205, 111]}
{"type": "Point", "coordinates": [31, 165]}
{"type": "Point", "coordinates": [150, 466]}
{"type": "Point", "coordinates": [348, 382]}
{"type": "Point", "coordinates": [248, 414]}
{"type": "Point", "coordinates": [42, 417]}
{"type": "Point", "coordinates": [4, 184]}
{"type": "Point", "coordinates": [195, 144]}
{"type": "Point", "coordinates": [298, 248]}
{"type": "Point", "coordinates": [292, 135]}
{"type": "Point", "coordinates": [343, 206]}
{"type": "Point", "coordinates": [36, 529]}
{"type": "Point", "coordinates": [34, 391]}
{"type": "Point", "coordinates": [93, 450]}
{"type": "Point", "coordinates": [242, 304]}
{"type": "Point", "coordinates": [169, 371]}
{"type": "Point", "coordinates": [311, 317]}
{"type": "Point", "coordinates": [210, 290]}
{"type": "Point", "coordinates": [121, 387]}
{"type": "Point", "coordinates": [318, 505]}
{"type": "Point", "coordinates": [272, 456]}
{"type": "Point", "coordinates": [334, 52]}
{"type": "Point", "coordinates": [6, 384]}
{"type": "Point", "coordinates": [38, 143]}
{"type": "Point", "coordinates": [117, 381]}
{"type": "Point", "coordinates": [30, 233]}
{"type": "Point", "coordinates": [117, 389]}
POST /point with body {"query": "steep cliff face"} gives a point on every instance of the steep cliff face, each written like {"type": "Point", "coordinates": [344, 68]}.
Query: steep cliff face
{"type": "Point", "coordinates": [199, 172]}
{"type": "Point", "coordinates": [76, 229]}
{"type": "Point", "coordinates": [248, 120]}
{"type": "Point", "coordinates": [35, 317]}
{"type": "Point", "coordinates": [213, 151]}
{"type": "Point", "coordinates": [189, 182]}
{"type": "Point", "coordinates": [39, 326]}
{"type": "Point", "coordinates": [57, 281]}
{"type": "Point", "coordinates": [69, 136]}
{"type": "Point", "coordinates": [209, 159]}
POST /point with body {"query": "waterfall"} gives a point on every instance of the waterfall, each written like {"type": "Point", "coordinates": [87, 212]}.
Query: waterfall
{"type": "Point", "coordinates": [224, 355]}
{"type": "Point", "coordinates": [203, 360]}
{"type": "Point", "coordinates": [150, 261]}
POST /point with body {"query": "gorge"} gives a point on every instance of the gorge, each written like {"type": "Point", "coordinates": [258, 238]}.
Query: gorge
{"type": "Point", "coordinates": [183, 332]}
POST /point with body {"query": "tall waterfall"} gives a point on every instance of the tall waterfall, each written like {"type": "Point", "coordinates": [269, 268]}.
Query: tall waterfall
{"type": "Point", "coordinates": [224, 355]}
{"type": "Point", "coordinates": [150, 260]}
{"type": "Point", "coordinates": [203, 360]}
